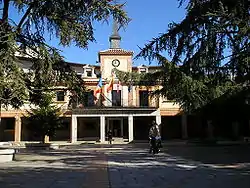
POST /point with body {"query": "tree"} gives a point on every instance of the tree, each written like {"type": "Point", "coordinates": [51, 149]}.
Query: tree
{"type": "Point", "coordinates": [44, 120]}
{"type": "Point", "coordinates": [71, 21]}
{"type": "Point", "coordinates": [12, 83]}
{"type": "Point", "coordinates": [209, 51]}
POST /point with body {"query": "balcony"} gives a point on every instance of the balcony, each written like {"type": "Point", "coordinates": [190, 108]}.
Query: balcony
{"type": "Point", "coordinates": [105, 103]}
{"type": "Point", "coordinates": [99, 110]}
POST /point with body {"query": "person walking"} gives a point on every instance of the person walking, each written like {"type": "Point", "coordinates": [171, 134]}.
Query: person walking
{"type": "Point", "coordinates": [158, 137]}
{"type": "Point", "coordinates": [152, 138]}
{"type": "Point", "coordinates": [110, 136]}
{"type": "Point", "coordinates": [155, 137]}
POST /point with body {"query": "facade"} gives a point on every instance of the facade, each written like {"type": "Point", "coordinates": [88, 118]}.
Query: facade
{"type": "Point", "coordinates": [126, 110]}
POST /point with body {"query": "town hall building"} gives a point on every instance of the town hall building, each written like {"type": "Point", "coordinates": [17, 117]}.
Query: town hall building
{"type": "Point", "coordinates": [125, 110]}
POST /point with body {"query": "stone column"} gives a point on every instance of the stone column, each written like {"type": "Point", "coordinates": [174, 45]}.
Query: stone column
{"type": "Point", "coordinates": [130, 128]}
{"type": "Point", "coordinates": [18, 123]}
{"type": "Point", "coordinates": [102, 129]}
{"type": "Point", "coordinates": [46, 139]}
{"type": "Point", "coordinates": [184, 130]}
{"type": "Point", "coordinates": [158, 119]}
{"type": "Point", "coordinates": [73, 137]}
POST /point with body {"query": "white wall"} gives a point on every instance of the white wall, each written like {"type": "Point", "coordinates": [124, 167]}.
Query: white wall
{"type": "Point", "coordinates": [107, 64]}
{"type": "Point", "coordinates": [124, 95]}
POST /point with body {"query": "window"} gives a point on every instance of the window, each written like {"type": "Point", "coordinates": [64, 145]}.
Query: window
{"type": "Point", "coordinates": [89, 72]}
{"type": "Point", "coordinates": [116, 98]}
{"type": "Point", "coordinates": [89, 99]}
{"type": "Point", "coordinates": [143, 70]}
{"type": "Point", "coordinates": [144, 95]}
{"type": "Point", "coordinates": [60, 96]}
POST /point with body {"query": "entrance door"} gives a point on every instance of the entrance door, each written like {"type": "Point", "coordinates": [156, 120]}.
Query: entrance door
{"type": "Point", "coordinates": [116, 126]}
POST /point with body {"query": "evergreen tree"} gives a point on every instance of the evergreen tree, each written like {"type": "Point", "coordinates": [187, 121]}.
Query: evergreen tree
{"type": "Point", "coordinates": [209, 52]}
{"type": "Point", "coordinates": [45, 119]}
{"type": "Point", "coordinates": [71, 21]}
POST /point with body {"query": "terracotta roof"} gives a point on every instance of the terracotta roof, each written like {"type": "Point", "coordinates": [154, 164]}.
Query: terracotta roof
{"type": "Point", "coordinates": [116, 52]}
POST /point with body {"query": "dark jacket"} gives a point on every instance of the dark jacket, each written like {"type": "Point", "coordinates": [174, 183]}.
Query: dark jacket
{"type": "Point", "coordinates": [109, 134]}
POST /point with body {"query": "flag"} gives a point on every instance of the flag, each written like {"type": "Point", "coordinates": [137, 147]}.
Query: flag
{"type": "Point", "coordinates": [111, 83]}
{"type": "Point", "coordinates": [98, 88]}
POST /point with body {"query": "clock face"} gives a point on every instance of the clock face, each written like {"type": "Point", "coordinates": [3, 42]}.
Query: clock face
{"type": "Point", "coordinates": [116, 63]}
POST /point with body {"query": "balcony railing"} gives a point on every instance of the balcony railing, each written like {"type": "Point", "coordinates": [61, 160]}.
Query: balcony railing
{"type": "Point", "coordinates": [117, 104]}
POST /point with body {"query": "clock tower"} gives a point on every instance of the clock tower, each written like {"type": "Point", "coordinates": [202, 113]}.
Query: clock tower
{"type": "Point", "coordinates": [115, 56]}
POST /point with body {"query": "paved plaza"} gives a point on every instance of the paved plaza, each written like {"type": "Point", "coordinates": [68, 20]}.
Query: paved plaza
{"type": "Point", "coordinates": [125, 166]}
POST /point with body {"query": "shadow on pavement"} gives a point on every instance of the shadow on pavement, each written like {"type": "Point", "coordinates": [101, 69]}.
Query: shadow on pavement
{"type": "Point", "coordinates": [180, 167]}
{"type": "Point", "coordinates": [130, 166]}
{"type": "Point", "coordinates": [217, 155]}
{"type": "Point", "coordinates": [55, 169]}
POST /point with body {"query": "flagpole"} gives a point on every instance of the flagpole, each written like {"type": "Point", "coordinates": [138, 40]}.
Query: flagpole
{"type": "Point", "coordinates": [106, 97]}
{"type": "Point", "coordinates": [101, 96]}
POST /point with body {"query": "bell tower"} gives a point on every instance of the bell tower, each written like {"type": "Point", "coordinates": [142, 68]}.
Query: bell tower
{"type": "Point", "coordinates": [115, 56]}
{"type": "Point", "coordinates": [115, 38]}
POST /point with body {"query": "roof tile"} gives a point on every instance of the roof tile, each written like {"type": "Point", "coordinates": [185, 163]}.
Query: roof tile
{"type": "Point", "coordinates": [115, 52]}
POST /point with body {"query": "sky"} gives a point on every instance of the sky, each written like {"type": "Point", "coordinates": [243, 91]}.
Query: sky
{"type": "Point", "coordinates": [149, 19]}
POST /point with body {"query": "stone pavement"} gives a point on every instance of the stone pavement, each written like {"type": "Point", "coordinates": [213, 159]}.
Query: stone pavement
{"type": "Point", "coordinates": [64, 168]}
{"type": "Point", "coordinates": [129, 166]}
{"type": "Point", "coordinates": [181, 167]}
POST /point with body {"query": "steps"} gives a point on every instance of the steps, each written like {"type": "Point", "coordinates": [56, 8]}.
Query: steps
{"type": "Point", "coordinates": [119, 140]}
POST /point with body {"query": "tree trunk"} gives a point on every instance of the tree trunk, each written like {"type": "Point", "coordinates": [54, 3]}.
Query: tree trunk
{"type": "Point", "coordinates": [5, 16]}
